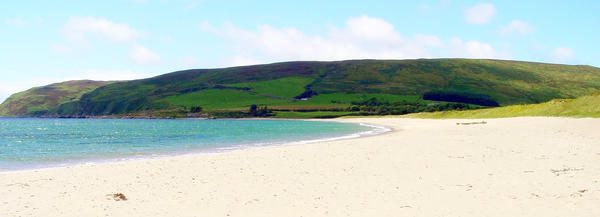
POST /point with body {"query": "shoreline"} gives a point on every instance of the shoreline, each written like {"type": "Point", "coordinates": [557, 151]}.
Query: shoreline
{"type": "Point", "coordinates": [521, 166]}
{"type": "Point", "coordinates": [374, 131]}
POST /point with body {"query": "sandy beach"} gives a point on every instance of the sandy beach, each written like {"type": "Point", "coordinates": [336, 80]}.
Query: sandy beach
{"type": "Point", "coordinates": [505, 167]}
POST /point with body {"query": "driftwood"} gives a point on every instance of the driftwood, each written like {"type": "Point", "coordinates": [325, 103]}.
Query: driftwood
{"type": "Point", "coordinates": [117, 196]}
{"type": "Point", "coordinates": [471, 123]}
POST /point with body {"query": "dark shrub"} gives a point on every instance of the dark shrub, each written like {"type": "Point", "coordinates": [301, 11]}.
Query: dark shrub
{"type": "Point", "coordinates": [461, 97]}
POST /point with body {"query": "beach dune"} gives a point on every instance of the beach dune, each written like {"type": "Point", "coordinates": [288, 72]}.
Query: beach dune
{"type": "Point", "coordinates": [500, 167]}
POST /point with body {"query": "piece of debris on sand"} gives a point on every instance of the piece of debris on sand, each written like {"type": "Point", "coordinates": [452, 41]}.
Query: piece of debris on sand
{"type": "Point", "coordinates": [116, 197]}
{"type": "Point", "coordinates": [471, 123]}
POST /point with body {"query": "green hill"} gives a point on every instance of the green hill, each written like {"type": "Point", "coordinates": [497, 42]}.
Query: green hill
{"type": "Point", "coordinates": [585, 106]}
{"type": "Point", "coordinates": [292, 87]}
{"type": "Point", "coordinates": [41, 100]}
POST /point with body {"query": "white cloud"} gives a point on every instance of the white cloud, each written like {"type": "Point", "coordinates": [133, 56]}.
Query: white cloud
{"type": "Point", "coordinates": [143, 55]}
{"type": "Point", "coordinates": [193, 4]}
{"type": "Point", "coordinates": [473, 49]}
{"type": "Point", "coordinates": [165, 38]}
{"type": "Point", "coordinates": [516, 27]}
{"type": "Point", "coordinates": [433, 7]}
{"type": "Point", "coordinates": [80, 28]}
{"type": "Point", "coordinates": [428, 40]}
{"type": "Point", "coordinates": [481, 13]}
{"type": "Point", "coordinates": [371, 29]}
{"type": "Point", "coordinates": [61, 49]}
{"type": "Point", "coordinates": [17, 21]}
{"type": "Point", "coordinates": [361, 37]}
{"type": "Point", "coordinates": [562, 54]}
{"type": "Point", "coordinates": [207, 27]}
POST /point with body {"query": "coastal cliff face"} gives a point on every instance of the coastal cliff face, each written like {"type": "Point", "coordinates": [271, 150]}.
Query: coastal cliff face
{"type": "Point", "coordinates": [311, 86]}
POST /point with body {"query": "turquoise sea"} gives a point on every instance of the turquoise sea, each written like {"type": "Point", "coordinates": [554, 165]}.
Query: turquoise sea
{"type": "Point", "coordinates": [28, 143]}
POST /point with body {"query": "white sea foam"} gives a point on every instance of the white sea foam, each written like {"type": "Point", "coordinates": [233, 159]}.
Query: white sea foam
{"type": "Point", "coordinates": [376, 130]}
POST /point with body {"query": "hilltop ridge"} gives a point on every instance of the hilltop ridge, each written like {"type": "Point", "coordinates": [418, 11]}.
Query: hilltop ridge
{"type": "Point", "coordinates": [38, 100]}
{"type": "Point", "coordinates": [311, 86]}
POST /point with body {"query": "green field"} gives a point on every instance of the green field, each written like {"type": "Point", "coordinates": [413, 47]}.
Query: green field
{"type": "Point", "coordinates": [348, 98]}
{"type": "Point", "coordinates": [217, 99]}
{"type": "Point", "coordinates": [222, 99]}
{"type": "Point", "coordinates": [285, 87]}
{"type": "Point", "coordinates": [586, 106]}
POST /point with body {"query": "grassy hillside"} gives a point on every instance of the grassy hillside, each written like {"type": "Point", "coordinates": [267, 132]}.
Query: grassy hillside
{"type": "Point", "coordinates": [215, 99]}
{"type": "Point", "coordinates": [335, 85]}
{"type": "Point", "coordinates": [289, 87]}
{"type": "Point", "coordinates": [585, 106]}
{"type": "Point", "coordinates": [41, 100]}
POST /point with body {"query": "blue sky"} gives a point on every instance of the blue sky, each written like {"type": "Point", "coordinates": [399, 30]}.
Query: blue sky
{"type": "Point", "coordinates": [44, 42]}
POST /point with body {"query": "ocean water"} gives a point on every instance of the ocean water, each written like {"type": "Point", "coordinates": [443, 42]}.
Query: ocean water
{"type": "Point", "coordinates": [28, 143]}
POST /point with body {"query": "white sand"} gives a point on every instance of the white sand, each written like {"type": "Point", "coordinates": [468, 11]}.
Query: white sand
{"type": "Point", "coordinates": [507, 167]}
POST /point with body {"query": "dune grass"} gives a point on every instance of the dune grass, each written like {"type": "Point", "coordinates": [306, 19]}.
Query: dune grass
{"type": "Point", "coordinates": [585, 106]}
